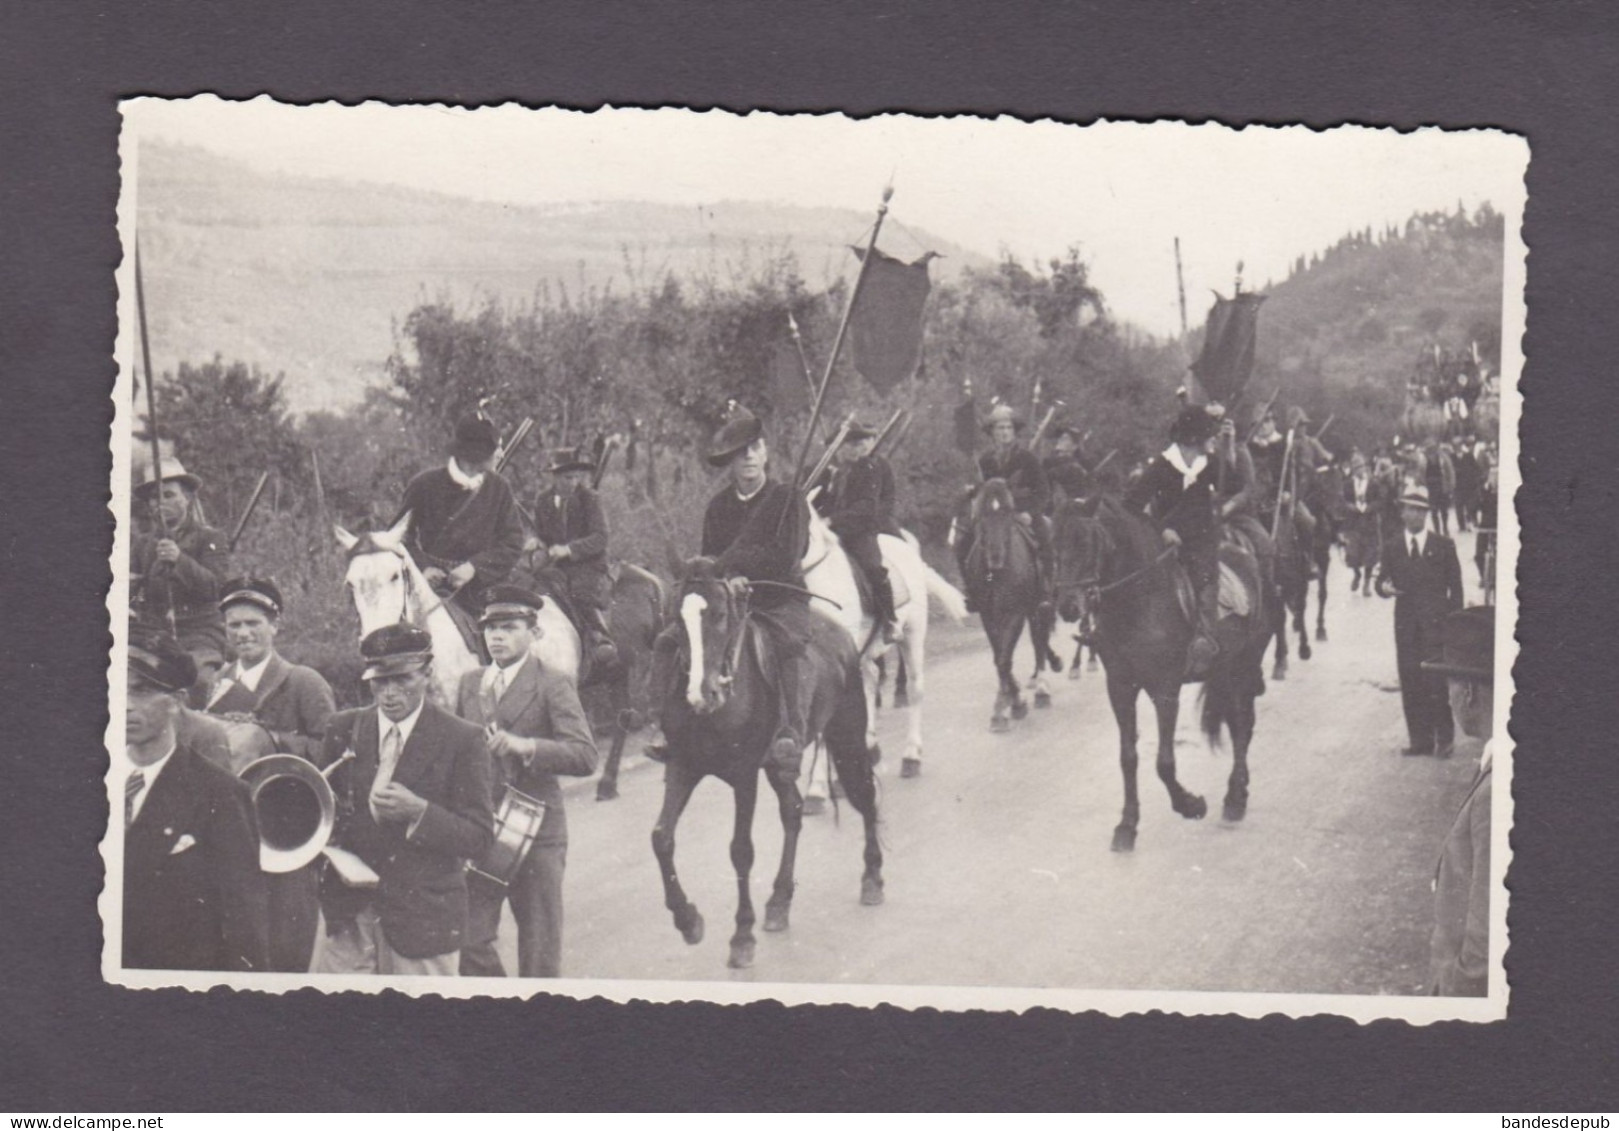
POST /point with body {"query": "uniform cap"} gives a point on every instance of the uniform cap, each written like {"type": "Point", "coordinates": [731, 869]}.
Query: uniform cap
{"type": "Point", "coordinates": [395, 649]}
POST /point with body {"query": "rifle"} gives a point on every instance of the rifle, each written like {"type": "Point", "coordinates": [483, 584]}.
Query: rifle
{"type": "Point", "coordinates": [252, 505]}
{"type": "Point", "coordinates": [1322, 431]}
{"type": "Point", "coordinates": [1105, 461]}
{"type": "Point", "coordinates": [608, 449]}
{"type": "Point", "coordinates": [513, 444]}
{"type": "Point", "coordinates": [1259, 417]}
{"type": "Point", "coordinates": [900, 433]}
{"type": "Point", "coordinates": [151, 426]}
{"type": "Point", "coordinates": [831, 450]}
{"type": "Point", "coordinates": [1041, 430]}
{"type": "Point", "coordinates": [887, 430]}
{"type": "Point", "coordinates": [1281, 485]}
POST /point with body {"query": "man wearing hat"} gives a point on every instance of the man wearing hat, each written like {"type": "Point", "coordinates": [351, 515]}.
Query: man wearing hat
{"type": "Point", "coordinates": [413, 805]}
{"type": "Point", "coordinates": [859, 505]}
{"type": "Point", "coordinates": [536, 730]}
{"type": "Point", "coordinates": [1063, 469]}
{"type": "Point", "coordinates": [1420, 570]}
{"type": "Point", "coordinates": [1459, 950]}
{"type": "Point", "coordinates": [1267, 448]}
{"type": "Point", "coordinates": [177, 562]}
{"type": "Point", "coordinates": [194, 898]}
{"type": "Point", "coordinates": [465, 532]}
{"type": "Point", "coordinates": [291, 704]}
{"type": "Point", "coordinates": [573, 533]}
{"type": "Point", "coordinates": [1178, 491]}
{"type": "Point", "coordinates": [1007, 460]}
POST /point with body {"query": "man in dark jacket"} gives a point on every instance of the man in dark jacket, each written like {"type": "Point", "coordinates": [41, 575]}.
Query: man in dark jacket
{"type": "Point", "coordinates": [573, 533]}
{"type": "Point", "coordinates": [859, 505]}
{"type": "Point", "coordinates": [1178, 491]}
{"type": "Point", "coordinates": [193, 896]}
{"type": "Point", "coordinates": [1064, 469]}
{"type": "Point", "coordinates": [1420, 570]}
{"type": "Point", "coordinates": [1007, 460]}
{"type": "Point", "coordinates": [177, 564]}
{"type": "Point", "coordinates": [465, 530]}
{"type": "Point", "coordinates": [413, 809]}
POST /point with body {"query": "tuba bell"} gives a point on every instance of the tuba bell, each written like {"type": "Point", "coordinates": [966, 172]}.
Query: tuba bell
{"type": "Point", "coordinates": [295, 807]}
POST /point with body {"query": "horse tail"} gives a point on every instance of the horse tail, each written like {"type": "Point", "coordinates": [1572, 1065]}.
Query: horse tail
{"type": "Point", "coordinates": [1214, 703]}
{"type": "Point", "coordinates": [946, 594]}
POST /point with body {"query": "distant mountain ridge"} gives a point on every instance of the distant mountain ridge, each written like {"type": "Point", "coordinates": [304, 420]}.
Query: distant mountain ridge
{"type": "Point", "coordinates": [308, 276]}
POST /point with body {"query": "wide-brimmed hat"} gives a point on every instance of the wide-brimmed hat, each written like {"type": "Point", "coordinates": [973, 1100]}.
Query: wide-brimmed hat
{"type": "Point", "coordinates": [173, 472]}
{"type": "Point", "coordinates": [859, 430]}
{"type": "Point", "coordinates": [1193, 426]}
{"type": "Point", "coordinates": [395, 649]}
{"type": "Point", "coordinates": [1066, 428]}
{"type": "Point", "coordinates": [741, 429]}
{"type": "Point", "coordinates": [158, 659]}
{"type": "Point", "coordinates": [569, 459]}
{"type": "Point", "coordinates": [510, 602]}
{"type": "Point", "coordinates": [1002, 413]}
{"type": "Point", "coordinates": [1296, 416]}
{"type": "Point", "coordinates": [1415, 495]}
{"type": "Point", "coordinates": [1466, 645]}
{"type": "Point", "coordinates": [475, 438]}
{"type": "Point", "coordinates": [258, 591]}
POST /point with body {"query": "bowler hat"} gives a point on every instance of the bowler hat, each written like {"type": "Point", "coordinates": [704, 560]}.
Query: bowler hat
{"type": "Point", "coordinates": [1466, 645]}
{"type": "Point", "coordinates": [510, 602]}
{"type": "Point", "coordinates": [1415, 495]}
{"type": "Point", "coordinates": [569, 459]}
{"type": "Point", "coordinates": [475, 438]}
{"type": "Point", "coordinates": [158, 659]}
{"type": "Point", "coordinates": [1193, 426]}
{"type": "Point", "coordinates": [735, 435]}
{"type": "Point", "coordinates": [259, 591]}
{"type": "Point", "coordinates": [1002, 413]}
{"type": "Point", "coordinates": [395, 649]}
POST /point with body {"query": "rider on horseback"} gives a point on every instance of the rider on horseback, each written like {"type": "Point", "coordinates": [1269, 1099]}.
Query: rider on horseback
{"type": "Point", "coordinates": [1031, 494]}
{"type": "Point", "coordinates": [1065, 471]}
{"type": "Point", "coordinates": [758, 529]}
{"type": "Point", "coordinates": [572, 530]}
{"type": "Point", "coordinates": [859, 505]}
{"type": "Point", "coordinates": [1178, 491]}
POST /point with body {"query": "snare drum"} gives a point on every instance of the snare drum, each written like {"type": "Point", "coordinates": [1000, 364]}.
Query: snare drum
{"type": "Point", "coordinates": [517, 826]}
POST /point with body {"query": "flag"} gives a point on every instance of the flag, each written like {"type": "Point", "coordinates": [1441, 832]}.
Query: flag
{"type": "Point", "coordinates": [1227, 360]}
{"type": "Point", "coordinates": [885, 326]}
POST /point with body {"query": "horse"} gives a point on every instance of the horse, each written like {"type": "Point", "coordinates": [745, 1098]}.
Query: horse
{"type": "Point", "coordinates": [388, 588]}
{"type": "Point", "coordinates": [1112, 566]}
{"type": "Point", "coordinates": [1002, 567]}
{"type": "Point", "coordinates": [634, 617]}
{"type": "Point", "coordinates": [1322, 490]}
{"type": "Point", "coordinates": [1293, 591]}
{"type": "Point", "coordinates": [721, 719]}
{"type": "Point", "coordinates": [829, 574]}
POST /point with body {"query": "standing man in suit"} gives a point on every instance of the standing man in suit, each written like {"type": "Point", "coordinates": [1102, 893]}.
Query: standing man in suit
{"type": "Point", "coordinates": [536, 729]}
{"type": "Point", "coordinates": [413, 805]}
{"type": "Point", "coordinates": [290, 705]}
{"type": "Point", "coordinates": [194, 898]}
{"type": "Point", "coordinates": [1459, 950]}
{"type": "Point", "coordinates": [1420, 570]}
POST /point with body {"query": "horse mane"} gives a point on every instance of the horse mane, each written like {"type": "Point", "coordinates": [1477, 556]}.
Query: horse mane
{"type": "Point", "coordinates": [1129, 529]}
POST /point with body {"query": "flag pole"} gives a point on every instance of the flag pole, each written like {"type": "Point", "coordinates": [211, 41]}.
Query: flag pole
{"type": "Point", "coordinates": [837, 342]}
{"type": "Point", "coordinates": [151, 427]}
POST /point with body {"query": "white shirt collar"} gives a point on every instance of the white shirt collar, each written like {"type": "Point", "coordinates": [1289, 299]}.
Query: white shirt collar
{"type": "Point", "coordinates": [149, 773]}
{"type": "Point", "coordinates": [462, 479]}
{"type": "Point", "coordinates": [1188, 474]}
{"type": "Point", "coordinates": [1421, 540]}
{"type": "Point", "coordinates": [752, 493]}
{"type": "Point", "coordinates": [405, 725]}
{"type": "Point", "coordinates": [510, 673]}
{"type": "Point", "coordinates": [249, 677]}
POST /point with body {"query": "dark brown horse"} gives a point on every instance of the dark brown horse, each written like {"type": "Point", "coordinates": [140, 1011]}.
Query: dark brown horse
{"type": "Point", "coordinates": [1001, 569]}
{"type": "Point", "coordinates": [720, 720]}
{"type": "Point", "coordinates": [1113, 568]}
{"type": "Point", "coordinates": [635, 616]}
{"type": "Point", "coordinates": [1292, 589]}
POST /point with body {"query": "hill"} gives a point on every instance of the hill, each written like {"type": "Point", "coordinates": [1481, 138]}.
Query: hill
{"type": "Point", "coordinates": [309, 276]}
{"type": "Point", "coordinates": [1342, 333]}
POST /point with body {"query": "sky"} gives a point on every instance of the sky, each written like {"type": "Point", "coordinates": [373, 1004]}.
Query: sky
{"type": "Point", "coordinates": [1122, 192]}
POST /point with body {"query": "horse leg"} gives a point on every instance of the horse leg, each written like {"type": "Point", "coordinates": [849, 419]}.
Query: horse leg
{"type": "Point", "coordinates": [873, 671]}
{"type": "Point", "coordinates": [1321, 597]}
{"type": "Point", "coordinates": [910, 666]}
{"type": "Point", "coordinates": [1041, 624]}
{"type": "Point", "coordinates": [746, 793]}
{"type": "Point", "coordinates": [1299, 618]}
{"type": "Point", "coordinates": [791, 806]}
{"type": "Point", "coordinates": [1187, 804]}
{"type": "Point", "coordinates": [1014, 691]}
{"type": "Point", "coordinates": [1122, 696]}
{"type": "Point", "coordinates": [678, 784]}
{"type": "Point", "coordinates": [999, 722]}
{"type": "Point", "coordinates": [1279, 632]}
{"type": "Point", "coordinates": [607, 785]}
{"type": "Point", "coordinates": [1241, 722]}
{"type": "Point", "coordinates": [902, 680]}
{"type": "Point", "coordinates": [1079, 654]}
{"type": "Point", "coordinates": [860, 786]}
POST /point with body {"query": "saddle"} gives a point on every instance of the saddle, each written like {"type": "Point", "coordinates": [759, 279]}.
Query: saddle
{"type": "Point", "coordinates": [862, 584]}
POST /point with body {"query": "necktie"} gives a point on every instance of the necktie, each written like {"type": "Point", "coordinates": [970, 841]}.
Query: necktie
{"type": "Point", "coordinates": [386, 760]}
{"type": "Point", "coordinates": [1416, 549]}
{"type": "Point", "coordinates": [498, 688]}
{"type": "Point", "coordinates": [133, 784]}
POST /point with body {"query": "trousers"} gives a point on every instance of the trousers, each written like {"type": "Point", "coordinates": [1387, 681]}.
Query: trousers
{"type": "Point", "coordinates": [362, 947]}
{"type": "Point", "coordinates": [535, 894]}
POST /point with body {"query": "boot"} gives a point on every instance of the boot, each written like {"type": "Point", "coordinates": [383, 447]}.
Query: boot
{"type": "Point", "coordinates": [786, 755]}
{"type": "Point", "coordinates": [882, 592]}
{"type": "Point", "coordinates": [603, 653]}
{"type": "Point", "coordinates": [1205, 648]}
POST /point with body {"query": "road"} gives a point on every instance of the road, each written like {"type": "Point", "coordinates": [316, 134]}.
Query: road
{"type": "Point", "coordinates": [998, 866]}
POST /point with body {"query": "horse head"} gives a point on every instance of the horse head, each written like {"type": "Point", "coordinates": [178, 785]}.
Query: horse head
{"type": "Point", "coordinates": [1083, 549]}
{"type": "Point", "coordinates": [381, 577]}
{"type": "Point", "coordinates": [713, 609]}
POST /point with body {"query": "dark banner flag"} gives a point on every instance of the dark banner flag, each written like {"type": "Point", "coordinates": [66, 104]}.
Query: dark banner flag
{"type": "Point", "coordinates": [1227, 360]}
{"type": "Point", "coordinates": [885, 326]}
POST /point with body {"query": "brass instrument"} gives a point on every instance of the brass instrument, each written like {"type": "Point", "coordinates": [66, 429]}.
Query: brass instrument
{"type": "Point", "coordinates": [296, 809]}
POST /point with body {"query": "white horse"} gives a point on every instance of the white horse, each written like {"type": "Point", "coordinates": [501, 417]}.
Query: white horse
{"type": "Point", "coordinates": [387, 588]}
{"type": "Point", "coordinates": [829, 574]}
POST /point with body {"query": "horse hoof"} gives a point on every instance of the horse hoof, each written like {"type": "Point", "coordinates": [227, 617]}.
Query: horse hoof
{"type": "Point", "coordinates": [1020, 709]}
{"type": "Point", "coordinates": [875, 755]}
{"type": "Point", "coordinates": [775, 919]}
{"type": "Point", "coordinates": [606, 792]}
{"type": "Point", "coordinates": [692, 931]}
{"type": "Point", "coordinates": [837, 791]}
{"type": "Point", "coordinates": [910, 768]}
{"type": "Point", "coordinates": [1124, 839]}
{"type": "Point", "coordinates": [741, 955]}
{"type": "Point", "coordinates": [1042, 699]}
{"type": "Point", "coordinates": [1090, 665]}
{"type": "Point", "coordinates": [1279, 672]}
{"type": "Point", "coordinates": [1196, 808]}
{"type": "Point", "coordinates": [1234, 811]}
{"type": "Point", "coordinates": [1000, 724]}
{"type": "Point", "coordinates": [901, 700]}
{"type": "Point", "coordinates": [1320, 632]}
{"type": "Point", "coordinates": [814, 805]}
{"type": "Point", "coordinates": [1304, 650]}
{"type": "Point", "coordinates": [871, 891]}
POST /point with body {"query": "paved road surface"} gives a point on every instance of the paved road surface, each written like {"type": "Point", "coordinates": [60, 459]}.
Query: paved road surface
{"type": "Point", "coordinates": [998, 865]}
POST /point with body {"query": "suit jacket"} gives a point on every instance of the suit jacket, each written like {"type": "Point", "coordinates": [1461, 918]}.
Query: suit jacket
{"type": "Point", "coordinates": [1024, 476]}
{"type": "Point", "coordinates": [860, 501]}
{"type": "Point", "coordinates": [192, 582]}
{"type": "Point", "coordinates": [1161, 493]}
{"type": "Point", "coordinates": [451, 525]}
{"type": "Point", "coordinates": [1428, 587]}
{"type": "Point", "coordinates": [293, 702]}
{"type": "Point", "coordinates": [422, 897]}
{"type": "Point", "coordinates": [542, 706]}
{"type": "Point", "coordinates": [574, 519]}
{"type": "Point", "coordinates": [1459, 951]}
{"type": "Point", "coordinates": [194, 898]}
{"type": "Point", "coordinates": [761, 538]}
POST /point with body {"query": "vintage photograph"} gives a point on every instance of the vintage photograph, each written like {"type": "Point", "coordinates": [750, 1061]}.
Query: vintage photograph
{"type": "Point", "coordinates": [954, 562]}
